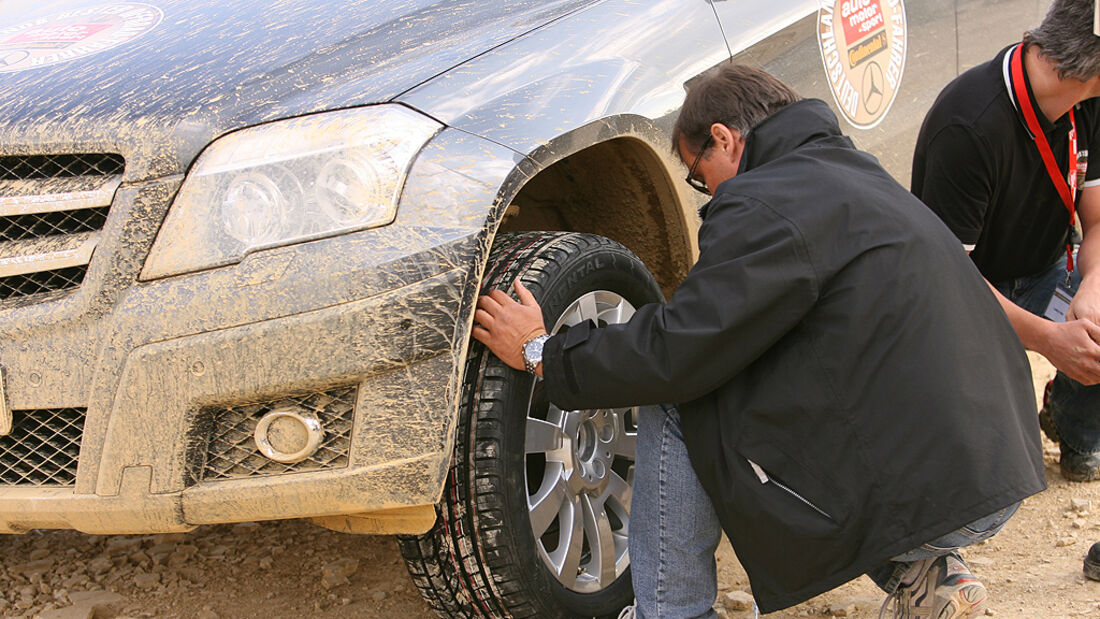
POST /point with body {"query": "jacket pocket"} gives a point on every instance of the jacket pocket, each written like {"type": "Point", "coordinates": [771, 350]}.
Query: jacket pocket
{"type": "Point", "coordinates": [765, 478]}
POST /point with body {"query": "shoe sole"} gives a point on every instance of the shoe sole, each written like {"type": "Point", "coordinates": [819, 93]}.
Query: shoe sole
{"type": "Point", "coordinates": [969, 601]}
{"type": "Point", "coordinates": [1092, 570]}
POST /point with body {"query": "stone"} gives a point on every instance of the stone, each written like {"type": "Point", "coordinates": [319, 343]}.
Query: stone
{"type": "Point", "coordinates": [1065, 541]}
{"type": "Point", "coordinates": [120, 543]}
{"type": "Point", "coordinates": [1081, 506]}
{"type": "Point", "coordinates": [69, 612]}
{"type": "Point", "coordinates": [378, 595]}
{"type": "Point", "coordinates": [737, 600]}
{"type": "Point", "coordinates": [265, 563]}
{"type": "Point", "coordinates": [341, 567]}
{"type": "Point", "coordinates": [841, 609]}
{"type": "Point", "coordinates": [39, 553]}
{"type": "Point", "coordinates": [331, 581]}
{"type": "Point", "coordinates": [100, 565]}
{"type": "Point", "coordinates": [245, 528]}
{"type": "Point", "coordinates": [147, 581]}
{"type": "Point", "coordinates": [33, 568]}
{"type": "Point", "coordinates": [169, 538]}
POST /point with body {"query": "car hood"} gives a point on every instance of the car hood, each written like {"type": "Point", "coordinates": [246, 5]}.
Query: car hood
{"type": "Point", "coordinates": [196, 69]}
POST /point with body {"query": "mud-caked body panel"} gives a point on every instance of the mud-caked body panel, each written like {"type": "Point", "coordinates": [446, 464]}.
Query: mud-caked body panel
{"type": "Point", "coordinates": [136, 390]}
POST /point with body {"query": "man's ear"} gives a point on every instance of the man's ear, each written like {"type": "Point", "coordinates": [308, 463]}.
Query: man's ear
{"type": "Point", "coordinates": [729, 141]}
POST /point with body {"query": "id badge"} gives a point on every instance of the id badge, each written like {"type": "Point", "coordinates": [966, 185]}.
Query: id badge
{"type": "Point", "coordinates": [1059, 303]}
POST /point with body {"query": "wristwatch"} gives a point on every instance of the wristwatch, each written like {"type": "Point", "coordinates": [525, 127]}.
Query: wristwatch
{"type": "Point", "coordinates": [532, 352]}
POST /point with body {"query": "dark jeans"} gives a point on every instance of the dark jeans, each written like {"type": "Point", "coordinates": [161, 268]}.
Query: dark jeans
{"type": "Point", "coordinates": [1074, 407]}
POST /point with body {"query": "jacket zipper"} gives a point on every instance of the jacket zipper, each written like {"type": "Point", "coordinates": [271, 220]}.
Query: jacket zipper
{"type": "Point", "coordinates": [765, 478]}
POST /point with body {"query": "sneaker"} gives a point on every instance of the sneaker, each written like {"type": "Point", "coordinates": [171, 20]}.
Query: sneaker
{"type": "Point", "coordinates": [1092, 562]}
{"type": "Point", "coordinates": [940, 588]}
{"type": "Point", "coordinates": [1076, 466]}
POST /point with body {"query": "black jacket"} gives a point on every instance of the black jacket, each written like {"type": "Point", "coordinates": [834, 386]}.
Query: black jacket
{"type": "Point", "coordinates": [834, 333]}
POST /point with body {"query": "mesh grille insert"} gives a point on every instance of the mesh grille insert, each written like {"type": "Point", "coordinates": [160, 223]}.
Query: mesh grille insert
{"type": "Point", "coordinates": [38, 225]}
{"type": "Point", "coordinates": [26, 167]}
{"type": "Point", "coordinates": [231, 451]}
{"type": "Point", "coordinates": [42, 281]}
{"type": "Point", "coordinates": [43, 448]}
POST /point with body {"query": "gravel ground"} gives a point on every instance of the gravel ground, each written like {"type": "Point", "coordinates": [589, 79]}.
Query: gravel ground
{"type": "Point", "coordinates": [294, 569]}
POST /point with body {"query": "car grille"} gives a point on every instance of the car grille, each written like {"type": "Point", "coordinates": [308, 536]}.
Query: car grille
{"type": "Point", "coordinates": [231, 450]}
{"type": "Point", "coordinates": [42, 448]}
{"type": "Point", "coordinates": [52, 211]}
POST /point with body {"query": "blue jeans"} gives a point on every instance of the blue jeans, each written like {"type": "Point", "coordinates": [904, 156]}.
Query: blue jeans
{"type": "Point", "coordinates": [888, 575]}
{"type": "Point", "coordinates": [1074, 407]}
{"type": "Point", "coordinates": [674, 531]}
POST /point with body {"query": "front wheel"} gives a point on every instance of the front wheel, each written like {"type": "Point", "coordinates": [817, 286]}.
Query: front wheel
{"type": "Point", "coordinates": [536, 511]}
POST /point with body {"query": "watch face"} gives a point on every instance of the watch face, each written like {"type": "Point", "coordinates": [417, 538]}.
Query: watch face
{"type": "Point", "coordinates": [533, 350]}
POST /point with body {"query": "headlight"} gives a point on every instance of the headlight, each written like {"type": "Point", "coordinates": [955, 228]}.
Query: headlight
{"type": "Point", "coordinates": [287, 182]}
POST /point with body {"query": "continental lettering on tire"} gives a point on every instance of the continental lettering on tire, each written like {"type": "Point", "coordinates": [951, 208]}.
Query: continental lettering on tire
{"type": "Point", "coordinates": [863, 46]}
{"type": "Point", "coordinates": [74, 34]}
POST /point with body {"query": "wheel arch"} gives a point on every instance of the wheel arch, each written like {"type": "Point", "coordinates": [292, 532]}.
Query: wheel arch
{"type": "Point", "coordinates": [618, 184]}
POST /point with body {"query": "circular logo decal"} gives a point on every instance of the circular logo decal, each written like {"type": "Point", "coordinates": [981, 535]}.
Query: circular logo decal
{"type": "Point", "coordinates": [863, 45]}
{"type": "Point", "coordinates": [74, 34]}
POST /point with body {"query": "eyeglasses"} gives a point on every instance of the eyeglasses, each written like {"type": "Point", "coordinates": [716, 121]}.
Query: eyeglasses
{"type": "Point", "coordinates": [696, 184]}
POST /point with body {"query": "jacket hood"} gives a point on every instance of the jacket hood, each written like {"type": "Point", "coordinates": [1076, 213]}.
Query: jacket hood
{"type": "Point", "coordinates": [157, 80]}
{"type": "Point", "coordinates": [796, 125]}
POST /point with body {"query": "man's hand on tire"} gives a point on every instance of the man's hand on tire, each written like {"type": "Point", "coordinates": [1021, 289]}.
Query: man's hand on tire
{"type": "Point", "coordinates": [503, 325]}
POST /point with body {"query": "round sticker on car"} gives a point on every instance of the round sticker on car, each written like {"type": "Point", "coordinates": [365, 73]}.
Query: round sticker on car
{"type": "Point", "coordinates": [863, 45]}
{"type": "Point", "coordinates": [69, 35]}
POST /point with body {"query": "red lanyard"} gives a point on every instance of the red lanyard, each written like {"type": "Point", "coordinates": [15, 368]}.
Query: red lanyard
{"type": "Point", "coordinates": [1067, 191]}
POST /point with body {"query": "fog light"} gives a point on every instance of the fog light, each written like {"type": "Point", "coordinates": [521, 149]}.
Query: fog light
{"type": "Point", "coordinates": [288, 435]}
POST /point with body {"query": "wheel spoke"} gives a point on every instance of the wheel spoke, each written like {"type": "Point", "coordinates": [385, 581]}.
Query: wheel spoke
{"type": "Point", "coordinates": [601, 541]}
{"type": "Point", "coordinates": [619, 490]}
{"type": "Point", "coordinates": [626, 441]}
{"type": "Point", "coordinates": [619, 312]}
{"type": "Point", "coordinates": [546, 505]}
{"type": "Point", "coordinates": [542, 436]}
{"type": "Point", "coordinates": [571, 543]}
{"type": "Point", "coordinates": [588, 309]}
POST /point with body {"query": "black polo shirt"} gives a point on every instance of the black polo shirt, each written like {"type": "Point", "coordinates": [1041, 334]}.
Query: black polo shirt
{"type": "Point", "coordinates": [977, 167]}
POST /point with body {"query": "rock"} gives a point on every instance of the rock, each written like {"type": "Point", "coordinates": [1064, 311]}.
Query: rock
{"type": "Point", "coordinates": [39, 553]}
{"type": "Point", "coordinates": [69, 612]}
{"type": "Point", "coordinates": [245, 528]}
{"type": "Point", "coordinates": [1081, 506]}
{"type": "Point", "coordinates": [265, 563]}
{"type": "Point", "coordinates": [1065, 541]}
{"type": "Point", "coordinates": [331, 581]}
{"type": "Point", "coordinates": [160, 552]}
{"type": "Point", "coordinates": [1080, 523]}
{"type": "Point", "coordinates": [841, 609]}
{"type": "Point", "coordinates": [737, 600]}
{"type": "Point", "coordinates": [34, 568]}
{"type": "Point", "coordinates": [100, 565]}
{"type": "Point", "coordinates": [121, 543]}
{"type": "Point", "coordinates": [147, 581]}
{"type": "Point", "coordinates": [341, 567]}
{"type": "Point", "coordinates": [378, 595]}
{"type": "Point", "coordinates": [169, 538]}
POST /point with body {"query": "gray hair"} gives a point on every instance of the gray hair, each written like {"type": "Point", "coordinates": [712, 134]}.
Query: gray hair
{"type": "Point", "coordinates": [1066, 38]}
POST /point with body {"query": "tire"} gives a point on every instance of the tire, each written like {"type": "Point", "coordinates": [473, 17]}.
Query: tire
{"type": "Point", "coordinates": [536, 509]}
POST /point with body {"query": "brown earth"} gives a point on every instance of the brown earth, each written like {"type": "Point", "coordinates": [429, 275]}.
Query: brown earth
{"type": "Point", "coordinates": [294, 569]}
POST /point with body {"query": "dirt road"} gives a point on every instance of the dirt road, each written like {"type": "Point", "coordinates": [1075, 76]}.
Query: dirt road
{"type": "Point", "coordinates": [294, 569]}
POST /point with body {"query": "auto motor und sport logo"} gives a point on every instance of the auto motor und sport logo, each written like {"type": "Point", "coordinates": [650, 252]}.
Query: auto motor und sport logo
{"type": "Point", "coordinates": [863, 45]}
{"type": "Point", "coordinates": [69, 35]}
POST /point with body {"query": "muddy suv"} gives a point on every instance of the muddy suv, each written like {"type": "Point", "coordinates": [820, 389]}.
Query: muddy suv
{"type": "Point", "coordinates": [241, 242]}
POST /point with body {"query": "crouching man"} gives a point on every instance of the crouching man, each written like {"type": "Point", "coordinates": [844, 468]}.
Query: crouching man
{"type": "Point", "coordinates": [851, 397]}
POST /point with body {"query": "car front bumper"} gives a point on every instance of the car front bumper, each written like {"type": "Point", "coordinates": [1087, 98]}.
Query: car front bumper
{"type": "Point", "coordinates": [383, 314]}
